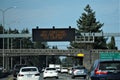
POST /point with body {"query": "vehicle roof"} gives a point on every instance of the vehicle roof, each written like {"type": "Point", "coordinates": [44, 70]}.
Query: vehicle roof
{"type": "Point", "coordinates": [50, 68]}
{"type": "Point", "coordinates": [96, 62]}
{"type": "Point", "coordinates": [106, 60]}
{"type": "Point", "coordinates": [28, 67]}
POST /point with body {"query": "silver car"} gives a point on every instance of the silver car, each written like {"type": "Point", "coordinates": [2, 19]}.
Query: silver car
{"type": "Point", "coordinates": [79, 71]}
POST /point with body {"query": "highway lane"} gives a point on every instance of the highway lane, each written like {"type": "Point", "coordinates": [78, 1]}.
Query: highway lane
{"type": "Point", "coordinates": [7, 78]}
{"type": "Point", "coordinates": [61, 77]}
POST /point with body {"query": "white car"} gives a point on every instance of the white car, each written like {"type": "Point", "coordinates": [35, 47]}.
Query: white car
{"type": "Point", "coordinates": [50, 72]}
{"type": "Point", "coordinates": [28, 73]}
{"type": "Point", "coordinates": [64, 70]}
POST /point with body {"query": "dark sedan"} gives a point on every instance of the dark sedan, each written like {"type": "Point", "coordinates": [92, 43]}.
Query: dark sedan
{"type": "Point", "coordinates": [105, 70]}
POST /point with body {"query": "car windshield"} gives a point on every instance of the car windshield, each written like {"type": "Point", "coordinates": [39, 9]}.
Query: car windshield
{"type": "Point", "coordinates": [50, 69]}
{"type": "Point", "coordinates": [29, 69]}
{"type": "Point", "coordinates": [112, 65]}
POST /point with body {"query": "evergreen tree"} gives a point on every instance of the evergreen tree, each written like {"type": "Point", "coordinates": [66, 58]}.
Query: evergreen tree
{"type": "Point", "coordinates": [41, 45]}
{"type": "Point", "coordinates": [111, 44]}
{"type": "Point", "coordinates": [87, 23]}
{"type": "Point", "coordinates": [26, 42]}
{"type": "Point", "coordinates": [15, 41]}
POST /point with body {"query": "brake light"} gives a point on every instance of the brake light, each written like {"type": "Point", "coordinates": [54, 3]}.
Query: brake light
{"type": "Point", "coordinates": [98, 72]}
{"type": "Point", "coordinates": [38, 74]}
{"type": "Point", "coordinates": [20, 75]}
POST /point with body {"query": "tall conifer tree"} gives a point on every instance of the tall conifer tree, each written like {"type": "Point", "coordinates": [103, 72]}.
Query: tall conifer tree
{"type": "Point", "coordinates": [87, 23]}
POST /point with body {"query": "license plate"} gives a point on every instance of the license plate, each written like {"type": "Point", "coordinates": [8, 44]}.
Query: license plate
{"type": "Point", "coordinates": [29, 75]}
{"type": "Point", "coordinates": [79, 72]}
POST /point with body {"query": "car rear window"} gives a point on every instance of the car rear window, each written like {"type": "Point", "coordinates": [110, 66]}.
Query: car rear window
{"type": "Point", "coordinates": [29, 69]}
{"type": "Point", "coordinates": [112, 65]}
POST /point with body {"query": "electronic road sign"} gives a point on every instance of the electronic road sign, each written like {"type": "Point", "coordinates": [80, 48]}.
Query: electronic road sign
{"type": "Point", "coordinates": [62, 34]}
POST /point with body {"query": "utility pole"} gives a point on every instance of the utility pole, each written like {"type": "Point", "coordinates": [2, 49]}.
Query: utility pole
{"type": "Point", "coordinates": [3, 24]}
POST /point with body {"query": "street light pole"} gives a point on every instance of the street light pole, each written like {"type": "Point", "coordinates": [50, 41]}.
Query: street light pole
{"type": "Point", "coordinates": [3, 24]}
{"type": "Point", "coordinates": [20, 51]}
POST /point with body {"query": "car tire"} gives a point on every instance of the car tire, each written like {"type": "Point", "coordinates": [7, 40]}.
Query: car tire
{"type": "Point", "coordinates": [73, 77]}
{"type": "Point", "coordinates": [44, 77]}
{"type": "Point", "coordinates": [14, 79]}
{"type": "Point", "coordinates": [57, 77]}
{"type": "Point", "coordinates": [84, 77]}
{"type": "Point", "coordinates": [88, 78]}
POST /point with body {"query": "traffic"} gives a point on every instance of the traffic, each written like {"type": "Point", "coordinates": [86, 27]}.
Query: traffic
{"type": "Point", "coordinates": [87, 52]}
{"type": "Point", "coordinates": [33, 73]}
{"type": "Point", "coordinates": [107, 67]}
{"type": "Point", "coordinates": [61, 77]}
{"type": "Point", "coordinates": [24, 72]}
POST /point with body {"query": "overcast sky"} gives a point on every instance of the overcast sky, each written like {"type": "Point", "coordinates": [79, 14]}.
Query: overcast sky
{"type": "Point", "coordinates": [59, 13]}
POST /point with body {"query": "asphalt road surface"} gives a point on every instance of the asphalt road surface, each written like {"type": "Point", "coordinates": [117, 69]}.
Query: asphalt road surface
{"type": "Point", "coordinates": [61, 77]}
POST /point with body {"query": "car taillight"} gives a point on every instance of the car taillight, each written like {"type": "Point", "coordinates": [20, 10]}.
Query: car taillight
{"type": "Point", "coordinates": [45, 71]}
{"type": "Point", "coordinates": [20, 75]}
{"type": "Point", "coordinates": [74, 70]}
{"type": "Point", "coordinates": [98, 72]}
{"type": "Point", "coordinates": [38, 74]}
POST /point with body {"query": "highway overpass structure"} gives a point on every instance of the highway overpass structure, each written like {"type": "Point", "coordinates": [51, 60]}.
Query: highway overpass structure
{"type": "Point", "coordinates": [89, 56]}
{"type": "Point", "coordinates": [79, 38]}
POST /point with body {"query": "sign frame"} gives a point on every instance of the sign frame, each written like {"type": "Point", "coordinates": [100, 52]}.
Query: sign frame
{"type": "Point", "coordinates": [57, 34]}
